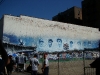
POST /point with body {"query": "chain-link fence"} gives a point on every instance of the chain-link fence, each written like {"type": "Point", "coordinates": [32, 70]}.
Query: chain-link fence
{"type": "Point", "coordinates": [76, 62]}
{"type": "Point", "coordinates": [64, 63]}
{"type": "Point", "coordinates": [71, 62]}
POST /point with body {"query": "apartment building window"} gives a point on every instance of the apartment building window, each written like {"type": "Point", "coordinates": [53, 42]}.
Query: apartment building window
{"type": "Point", "coordinates": [78, 12]}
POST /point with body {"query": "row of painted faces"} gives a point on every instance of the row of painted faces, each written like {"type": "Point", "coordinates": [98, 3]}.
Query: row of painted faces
{"type": "Point", "coordinates": [71, 43]}
{"type": "Point", "coordinates": [26, 41]}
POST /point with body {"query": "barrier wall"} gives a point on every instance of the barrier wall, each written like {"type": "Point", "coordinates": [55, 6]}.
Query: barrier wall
{"type": "Point", "coordinates": [48, 35]}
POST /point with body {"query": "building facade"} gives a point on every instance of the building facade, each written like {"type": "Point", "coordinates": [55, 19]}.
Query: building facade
{"type": "Point", "coordinates": [72, 15]}
{"type": "Point", "coordinates": [91, 13]}
{"type": "Point", "coordinates": [46, 35]}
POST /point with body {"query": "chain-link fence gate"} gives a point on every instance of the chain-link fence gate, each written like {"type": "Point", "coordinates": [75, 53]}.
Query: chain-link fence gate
{"type": "Point", "coordinates": [89, 55]}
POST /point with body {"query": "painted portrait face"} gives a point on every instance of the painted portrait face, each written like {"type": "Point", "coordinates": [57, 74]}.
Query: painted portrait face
{"type": "Point", "coordinates": [50, 41]}
{"type": "Point", "coordinates": [84, 43]}
{"type": "Point", "coordinates": [71, 43]}
{"type": "Point", "coordinates": [59, 41]}
{"type": "Point", "coordinates": [41, 42]}
{"type": "Point", "coordinates": [89, 42]}
{"type": "Point", "coordinates": [79, 43]}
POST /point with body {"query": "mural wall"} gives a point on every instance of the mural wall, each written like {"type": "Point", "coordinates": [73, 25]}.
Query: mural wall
{"type": "Point", "coordinates": [48, 35]}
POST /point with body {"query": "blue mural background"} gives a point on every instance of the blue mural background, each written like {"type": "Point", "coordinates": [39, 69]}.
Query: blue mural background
{"type": "Point", "coordinates": [51, 43]}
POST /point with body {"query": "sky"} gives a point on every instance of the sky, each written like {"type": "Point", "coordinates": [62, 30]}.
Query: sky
{"type": "Point", "coordinates": [44, 9]}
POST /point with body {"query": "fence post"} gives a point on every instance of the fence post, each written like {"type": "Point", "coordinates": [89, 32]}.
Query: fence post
{"type": "Point", "coordinates": [84, 62]}
{"type": "Point", "coordinates": [58, 64]}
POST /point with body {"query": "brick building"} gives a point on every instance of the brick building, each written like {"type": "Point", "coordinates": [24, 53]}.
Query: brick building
{"type": "Point", "coordinates": [72, 15]}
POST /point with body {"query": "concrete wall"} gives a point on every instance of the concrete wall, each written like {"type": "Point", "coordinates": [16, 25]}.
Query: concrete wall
{"type": "Point", "coordinates": [31, 31]}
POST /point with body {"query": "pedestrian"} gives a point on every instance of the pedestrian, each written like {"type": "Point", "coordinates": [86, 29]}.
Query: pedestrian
{"type": "Point", "coordinates": [45, 67]}
{"type": "Point", "coordinates": [34, 63]}
{"type": "Point", "coordinates": [1, 66]}
{"type": "Point", "coordinates": [3, 59]}
{"type": "Point", "coordinates": [20, 61]}
{"type": "Point", "coordinates": [10, 65]}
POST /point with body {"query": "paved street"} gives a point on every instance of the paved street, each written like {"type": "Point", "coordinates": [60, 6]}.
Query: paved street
{"type": "Point", "coordinates": [22, 73]}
